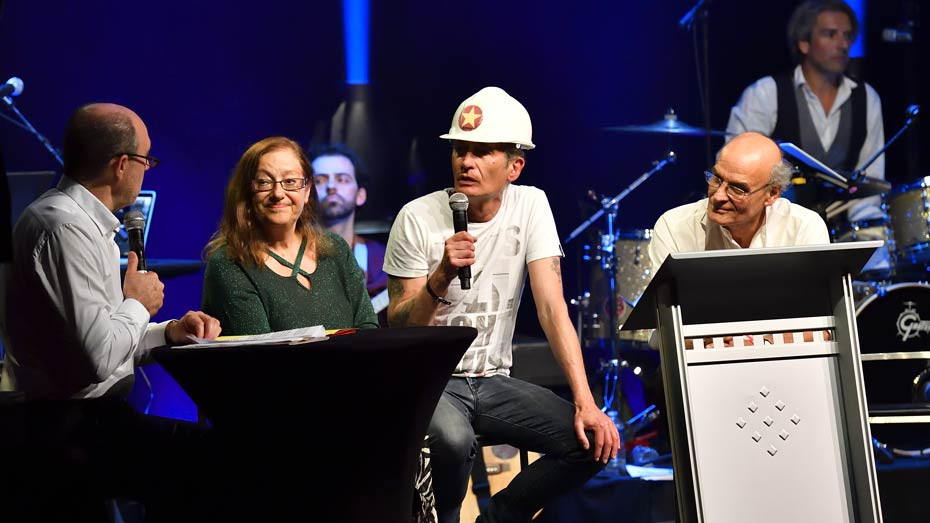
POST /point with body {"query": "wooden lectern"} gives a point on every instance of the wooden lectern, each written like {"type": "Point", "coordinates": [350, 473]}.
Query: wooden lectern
{"type": "Point", "coordinates": [769, 432]}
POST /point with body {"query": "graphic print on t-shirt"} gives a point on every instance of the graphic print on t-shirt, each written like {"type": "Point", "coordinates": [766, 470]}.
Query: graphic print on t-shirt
{"type": "Point", "coordinates": [489, 306]}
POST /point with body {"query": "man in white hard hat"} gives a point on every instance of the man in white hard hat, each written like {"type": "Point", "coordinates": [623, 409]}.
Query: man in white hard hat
{"type": "Point", "coordinates": [511, 232]}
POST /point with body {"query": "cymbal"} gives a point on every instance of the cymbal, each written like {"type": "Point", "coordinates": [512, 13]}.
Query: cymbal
{"type": "Point", "coordinates": [669, 124]}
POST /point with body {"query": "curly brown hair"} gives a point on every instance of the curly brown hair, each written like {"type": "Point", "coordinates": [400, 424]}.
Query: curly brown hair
{"type": "Point", "coordinates": [240, 230]}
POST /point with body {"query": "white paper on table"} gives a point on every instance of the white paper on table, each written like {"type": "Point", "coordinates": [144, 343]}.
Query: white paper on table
{"type": "Point", "coordinates": [288, 337]}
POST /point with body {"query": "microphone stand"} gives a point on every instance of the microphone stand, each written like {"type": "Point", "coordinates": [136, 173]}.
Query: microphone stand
{"type": "Point", "coordinates": [700, 11]}
{"type": "Point", "coordinates": [30, 128]}
{"type": "Point", "coordinates": [913, 112]}
{"type": "Point", "coordinates": [687, 21]}
{"type": "Point", "coordinates": [658, 166]}
{"type": "Point", "coordinates": [608, 263]}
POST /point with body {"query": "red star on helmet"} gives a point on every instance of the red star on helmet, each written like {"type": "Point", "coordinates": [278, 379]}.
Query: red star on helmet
{"type": "Point", "coordinates": [470, 118]}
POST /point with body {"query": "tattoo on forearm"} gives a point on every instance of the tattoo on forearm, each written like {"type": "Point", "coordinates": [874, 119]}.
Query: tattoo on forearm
{"type": "Point", "coordinates": [399, 313]}
{"type": "Point", "coordinates": [395, 289]}
{"type": "Point", "coordinates": [557, 268]}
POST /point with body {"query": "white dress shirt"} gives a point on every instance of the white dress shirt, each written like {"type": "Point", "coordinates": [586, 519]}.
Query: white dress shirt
{"type": "Point", "coordinates": [757, 110]}
{"type": "Point", "coordinates": [72, 333]}
{"type": "Point", "coordinates": [688, 229]}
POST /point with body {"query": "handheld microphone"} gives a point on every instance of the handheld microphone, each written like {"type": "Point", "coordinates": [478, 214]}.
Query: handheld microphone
{"type": "Point", "coordinates": [134, 223]}
{"type": "Point", "coordinates": [12, 87]}
{"type": "Point", "coordinates": [459, 204]}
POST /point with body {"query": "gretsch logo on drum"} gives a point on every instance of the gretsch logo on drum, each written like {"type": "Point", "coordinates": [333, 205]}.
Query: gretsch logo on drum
{"type": "Point", "coordinates": [910, 324]}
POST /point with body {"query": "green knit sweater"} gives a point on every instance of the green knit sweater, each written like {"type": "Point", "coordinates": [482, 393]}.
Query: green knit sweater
{"type": "Point", "coordinates": [255, 300]}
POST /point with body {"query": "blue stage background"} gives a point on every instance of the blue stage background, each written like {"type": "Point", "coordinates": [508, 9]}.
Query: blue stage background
{"type": "Point", "coordinates": [209, 78]}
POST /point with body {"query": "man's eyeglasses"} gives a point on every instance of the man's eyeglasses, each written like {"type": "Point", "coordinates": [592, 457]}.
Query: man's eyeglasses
{"type": "Point", "coordinates": [288, 184]}
{"type": "Point", "coordinates": [150, 162]}
{"type": "Point", "coordinates": [737, 193]}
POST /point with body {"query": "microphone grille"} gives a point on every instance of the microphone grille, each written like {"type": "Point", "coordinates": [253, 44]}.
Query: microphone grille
{"type": "Point", "coordinates": [17, 84]}
{"type": "Point", "coordinates": [458, 201]}
{"type": "Point", "coordinates": [134, 220]}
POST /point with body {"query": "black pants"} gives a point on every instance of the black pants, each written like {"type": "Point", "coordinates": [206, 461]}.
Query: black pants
{"type": "Point", "coordinates": [60, 461]}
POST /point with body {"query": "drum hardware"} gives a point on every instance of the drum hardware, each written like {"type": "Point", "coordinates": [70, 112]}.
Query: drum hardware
{"type": "Point", "coordinates": [839, 189]}
{"type": "Point", "coordinates": [605, 254]}
{"type": "Point", "coordinates": [607, 263]}
{"type": "Point", "coordinates": [25, 124]}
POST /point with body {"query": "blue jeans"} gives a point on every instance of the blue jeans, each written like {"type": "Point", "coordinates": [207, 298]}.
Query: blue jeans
{"type": "Point", "coordinates": [500, 410]}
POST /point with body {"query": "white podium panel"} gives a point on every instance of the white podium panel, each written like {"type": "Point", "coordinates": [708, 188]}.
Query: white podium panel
{"type": "Point", "coordinates": [767, 430]}
{"type": "Point", "coordinates": [769, 425]}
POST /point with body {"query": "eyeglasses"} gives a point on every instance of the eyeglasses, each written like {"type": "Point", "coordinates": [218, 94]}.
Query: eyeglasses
{"type": "Point", "coordinates": [288, 184]}
{"type": "Point", "coordinates": [737, 193]}
{"type": "Point", "coordinates": [150, 162]}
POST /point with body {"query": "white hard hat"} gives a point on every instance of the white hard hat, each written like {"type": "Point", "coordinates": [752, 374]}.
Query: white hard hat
{"type": "Point", "coordinates": [492, 116]}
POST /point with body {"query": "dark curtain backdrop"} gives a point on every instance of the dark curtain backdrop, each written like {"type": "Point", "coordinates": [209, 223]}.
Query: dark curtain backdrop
{"type": "Point", "coordinates": [209, 78]}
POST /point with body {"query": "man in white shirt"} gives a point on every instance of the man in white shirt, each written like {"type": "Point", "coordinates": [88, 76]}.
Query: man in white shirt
{"type": "Point", "coordinates": [511, 233]}
{"type": "Point", "coordinates": [832, 117]}
{"type": "Point", "coordinates": [77, 332]}
{"type": "Point", "coordinates": [742, 208]}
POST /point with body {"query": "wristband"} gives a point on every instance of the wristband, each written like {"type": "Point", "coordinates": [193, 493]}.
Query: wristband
{"type": "Point", "coordinates": [435, 296]}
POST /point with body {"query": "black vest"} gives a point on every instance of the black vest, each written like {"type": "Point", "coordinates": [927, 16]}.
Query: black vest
{"type": "Point", "coordinates": [788, 122]}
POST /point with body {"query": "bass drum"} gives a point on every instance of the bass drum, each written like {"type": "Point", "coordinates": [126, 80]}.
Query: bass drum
{"type": "Point", "coordinates": [894, 336]}
{"type": "Point", "coordinates": [895, 343]}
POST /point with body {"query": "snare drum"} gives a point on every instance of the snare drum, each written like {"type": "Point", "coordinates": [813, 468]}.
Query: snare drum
{"type": "Point", "coordinates": [634, 271]}
{"type": "Point", "coordinates": [910, 223]}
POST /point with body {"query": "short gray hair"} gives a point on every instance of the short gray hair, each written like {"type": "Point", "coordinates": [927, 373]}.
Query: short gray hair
{"type": "Point", "coordinates": [781, 175]}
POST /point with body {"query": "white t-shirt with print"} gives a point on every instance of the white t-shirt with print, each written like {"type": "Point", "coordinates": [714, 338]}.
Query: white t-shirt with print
{"type": "Point", "coordinates": [522, 231]}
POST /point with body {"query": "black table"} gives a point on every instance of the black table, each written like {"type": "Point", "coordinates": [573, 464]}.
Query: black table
{"type": "Point", "coordinates": [326, 431]}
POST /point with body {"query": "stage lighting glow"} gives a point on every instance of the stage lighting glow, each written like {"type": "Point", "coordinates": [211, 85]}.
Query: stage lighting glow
{"type": "Point", "coordinates": [355, 16]}
{"type": "Point", "coordinates": [858, 48]}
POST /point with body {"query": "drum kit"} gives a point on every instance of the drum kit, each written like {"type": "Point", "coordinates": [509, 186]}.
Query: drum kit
{"type": "Point", "coordinates": [891, 293]}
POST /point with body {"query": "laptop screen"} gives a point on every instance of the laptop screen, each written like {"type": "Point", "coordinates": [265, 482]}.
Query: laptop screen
{"type": "Point", "coordinates": [145, 203]}
{"type": "Point", "coordinates": [26, 187]}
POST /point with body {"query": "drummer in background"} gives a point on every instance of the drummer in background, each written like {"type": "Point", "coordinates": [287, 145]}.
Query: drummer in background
{"type": "Point", "coordinates": [816, 106]}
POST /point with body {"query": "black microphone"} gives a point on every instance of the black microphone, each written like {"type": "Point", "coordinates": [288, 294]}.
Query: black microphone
{"type": "Point", "coordinates": [459, 204]}
{"type": "Point", "coordinates": [12, 87]}
{"type": "Point", "coordinates": [134, 223]}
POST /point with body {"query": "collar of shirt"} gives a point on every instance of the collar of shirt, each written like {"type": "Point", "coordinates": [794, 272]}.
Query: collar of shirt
{"type": "Point", "coordinates": [102, 217]}
{"type": "Point", "coordinates": [842, 94]}
{"type": "Point", "coordinates": [717, 234]}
